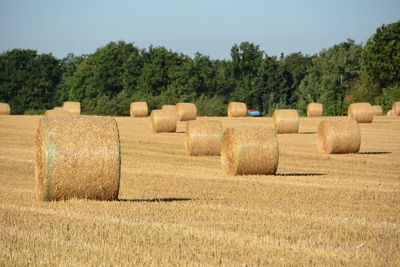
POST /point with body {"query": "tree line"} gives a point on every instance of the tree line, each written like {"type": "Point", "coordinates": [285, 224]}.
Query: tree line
{"type": "Point", "coordinates": [107, 81]}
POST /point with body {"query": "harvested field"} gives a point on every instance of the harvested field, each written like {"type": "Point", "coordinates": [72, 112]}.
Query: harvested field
{"type": "Point", "coordinates": [180, 210]}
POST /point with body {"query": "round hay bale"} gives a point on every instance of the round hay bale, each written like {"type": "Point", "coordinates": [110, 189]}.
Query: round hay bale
{"type": "Point", "coordinates": [162, 121]}
{"type": "Point", "coordinates": [237, 109]}
{"type": "Point", "coordinates": [338, 136]}
{"type": "Point", "coordinates": [168, 107]}
{"type": "Point", "coordinates": [390, 113]}
{"type": "Point", "coordinates": [73, 108]}
{"type": "Point", "coordinates": [376, 110]}
{"type": "Point", "coordinates": [249, 150]}
{"type": "Point", "coordinates": [77, 157]}
{"type": "Point", "coordinates": [139, 109]}
{"type": "Point", "coordinates": [361, 112]}
{"type": "Point", "coordinates": [57, 111]}
{"type": "Point", "coordinates": [396, 109]}
{"type": "Point", "coordinates": [5, 109]}
{"type": "Point", "coordinates": [286, 121]}
{"type": "Point", "coordinates": [203, 138]}
{"type": "Point", "coordinates": [185, 111]}
{"type": "Point", "coordinates": [314, 110]}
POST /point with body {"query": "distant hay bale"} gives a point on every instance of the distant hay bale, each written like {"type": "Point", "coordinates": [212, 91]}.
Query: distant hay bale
{"type": "Point", "coordinates": [139, 109]}
{"type": "Point", "coordinates": [249, 150]}
{"type": "Point", "coordinates": [314, 110]}
{"type": "Point", "coordinates": [168, 107]}
{"type": "Point", "coordinates": [162, 121]}
{"type": "Point", "coordinates": [396, 109]}
{"type": "Point", "coordinates": [73, 108]}
{"type": "Point", "coordinates": [338, 136]}
{"type": "Point", "coordinates": [286, 121]}
{"type": "Point", "coordinates": [376, 110]}
{"type": "Point", "coordinates": [185, 111]}
{"type": "Point", "coordinates": [5, 109]}
{"type": "Point", "coordinates": [390, 113]}
{"type": "Point", "coordinates": [203, 138]}
{"type": "Point", "coordinates": [56, 111]}
{"type": "Point", "coordinates": [237, 109]}
{"type": "Point", "coordinates": [361, 112]}
{"type": "Point", "coordinates": [77, 157]}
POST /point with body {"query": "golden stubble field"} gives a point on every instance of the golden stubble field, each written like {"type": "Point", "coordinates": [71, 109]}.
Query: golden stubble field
{"type": "Point", "coordinates": [181, 210]}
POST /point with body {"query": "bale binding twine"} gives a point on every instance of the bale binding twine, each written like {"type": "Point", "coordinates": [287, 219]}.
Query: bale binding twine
{"type": "Point", "coordinates": [314, 110]}
{"type": "Point", "coordinates": [361, 112]}
{"type": "Point", "coordinates": [249, 150]}
{"type": "Point", "coordinates": [185, 111]}
{"type": "Point", "coordinates": [237, 109]}
{"type": "Point", "coordinates": [73, 108]}
{"type": "Point", "coordinates": [286, 121]}
{"type": "Point", "coordinates": [4, 109]}
{"type": "Point", "coordinates": [338, 136]}
{"type": "Point", "coordinates": [203, 137]}
{"type": "Point", "coordinates": [77, 157]}
{"type": "Point", "coordinates": [139, 109]}
{"type": "Point", "coordinates": [162, 121]}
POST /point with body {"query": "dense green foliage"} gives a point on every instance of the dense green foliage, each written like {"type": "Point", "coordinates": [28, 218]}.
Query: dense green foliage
{"type": "Point", "coordinates": [107, 81]}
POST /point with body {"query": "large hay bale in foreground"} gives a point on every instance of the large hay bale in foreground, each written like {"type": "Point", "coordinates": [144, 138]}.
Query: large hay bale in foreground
{"type": "Point", "coordinates": [73, 108]}
{"type": "Point", "coordinates": [162, 121]}
{"type": "Point", "coordinates": [203, 138]}
{"type": "Point", "coordinates": [139, 109]}
{"type": "Point", "coordinates": [396, 109]}
{"type": "Point", "coordinates": [338, 136]}
{"type": "Point", "coordinates": [286, 121]}
{"type": "Point", "coordinates": [389, 113]}
{"type": "Point", "coordinates": [168, 107]}
{"type": "Point", "coordinates": [314, 110]}
{"type": "Point", "coordinates": [376, 110]}
{"type": "Point", "coordinates": [249, 150]}
{"type": "Point", "coordinates": [5, 109]}
{"type": "Point", "coordinates": [77, 157]}
{"type": "Point", "coordinates": [185, 111]}
{"type": "Point", "coordinates": [56, 111]}
{"type": "Point", "coordinates": [237, 109]}
{"type": "Point", "coordinates": [361, 112]}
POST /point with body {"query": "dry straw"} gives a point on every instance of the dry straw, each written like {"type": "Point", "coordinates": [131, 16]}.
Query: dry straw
{"type": "Point", "coordinates": [185, 111]}
{"type": "Point", "coordinates": [338, 136]}
{"type": "Point", "coordinates": [139, 109]}
{"type": "Point", "coordinates": [376, 110]}
{"type": "Point", "coordinates": [162, 121]}
{"type": "Point", "coordinates": [249, 150]}
{"type": "Point", "coordinates": [361, 112]}
{"type": "Point", "coordinates": [4, 109]}
{"type": "Point", "coordinates": [314, 110]}
{"type": "Point", "coordinates": [237, 109]}
{"type": "Point", "coordinates": [56, 111]}
{"type": "Point", "coordinates": [73, 108]}
{"type": "Point", "coordinates": [286, 121]}
{"type": "Point", "coordinates": [396, 109]}
{"type": "Point", "coordinates": [390, 113]}
{"type": "Point", "coordinates": [203, 138]}
{"type": "Point", "coordinates": [77, 157]}
{"type": "Point", "coordinates": [168, 107]}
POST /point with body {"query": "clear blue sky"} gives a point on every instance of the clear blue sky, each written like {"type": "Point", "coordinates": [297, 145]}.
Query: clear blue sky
{"type": "Point", "coordinates": [210, 27]}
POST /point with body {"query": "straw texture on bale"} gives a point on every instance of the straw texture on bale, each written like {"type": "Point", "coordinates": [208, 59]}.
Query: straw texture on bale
{"type": "Point", "coordinates": [168, 107]}
{"type": "Point", "coordinates": [396, 109]}
{"type": "Point", "coordinates": [361, 112]}
{"type": "Point", "coordinates": [57, 111]}
{"type": "Point", "coordinates": [162, 121]}
{"type": "Point", "coordinates": [203, 138]}
{"type": "Point", "coordinates": [237, 109]}
{"type": "Point", "coordinates": [314, 110]}
{"type": "Point", "coordinates": [286, 121]}
{"type": "Point", "coordinates": [4, 109]}
{"type": "Point", "coordinates": [77, 157]}
{"type": "Point", "coordinates": [249, 150]}
{"type": "Point", "coordinates": [338, 136]}
{"type": "Point", "coordinates": [389, 113]}
{"type": "Point", "coordinates": [376, 110]}
{"type": "Point", "coordinates": [73, 108]}
{"type": "Point", "coordinates": [139, 109]}
{"type": "Point", "coordinates": [185, 111]}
